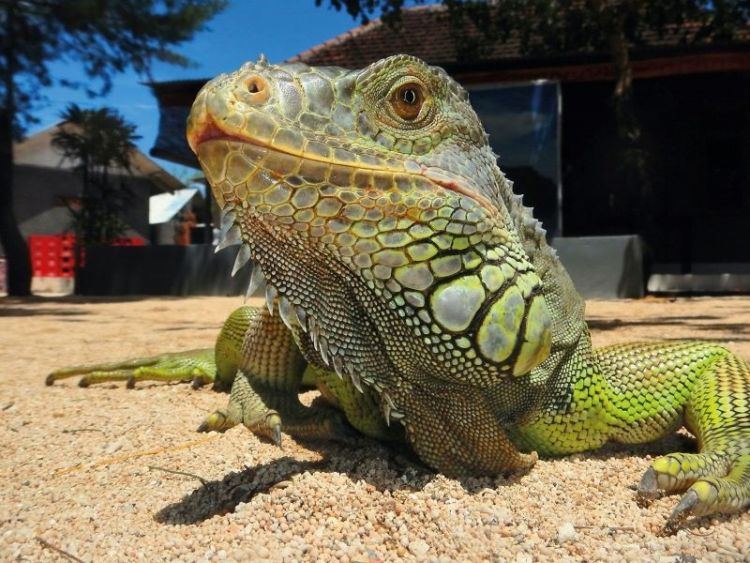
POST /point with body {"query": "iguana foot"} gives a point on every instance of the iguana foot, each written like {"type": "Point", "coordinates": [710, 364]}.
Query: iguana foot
{"type": "Point", "coordinates": [714, 482]}
{"type": "Point", "coordinates": [195, 365]}
{"type": "Point", "coordinates": [265, 423]}
{"type": "Point", "coordinates": [253, 410]}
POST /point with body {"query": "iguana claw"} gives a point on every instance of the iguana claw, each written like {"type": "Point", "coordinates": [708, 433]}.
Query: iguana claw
{"type": "Point", "coordinates": [647, 490]}
{"type": "Point", "coordinates": [277, 434]}
{"type": "Point", "coordinates": [198, 382]}
{"type": "Point", "coordinates": [681, 512]}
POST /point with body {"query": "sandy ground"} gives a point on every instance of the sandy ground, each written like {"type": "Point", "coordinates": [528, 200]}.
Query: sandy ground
{"type": "Point", "coordinates": [80, 467]}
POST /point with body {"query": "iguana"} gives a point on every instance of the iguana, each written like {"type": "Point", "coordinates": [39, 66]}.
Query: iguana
{"type": "Point", "coordinates": [405, 279]}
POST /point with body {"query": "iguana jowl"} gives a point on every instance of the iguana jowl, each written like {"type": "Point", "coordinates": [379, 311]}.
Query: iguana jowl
{"type": "Point", "coordinates": [410, 284]}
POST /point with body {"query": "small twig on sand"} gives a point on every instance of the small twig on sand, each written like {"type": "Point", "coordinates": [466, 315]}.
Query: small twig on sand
{"type": "Point", "coordinates": [610, 528]}
{"type": "Point", "coordinates": [75, 430]}
{"type": "Point", "coordinates": [62, 552]}
{"type": "Point", "coordinates": [185, 473]}
{"type": "Point", "coordinates": [134, 455]}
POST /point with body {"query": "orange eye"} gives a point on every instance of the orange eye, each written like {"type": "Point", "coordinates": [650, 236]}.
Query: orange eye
{"type": "Point", "coordinates": [407, 101]}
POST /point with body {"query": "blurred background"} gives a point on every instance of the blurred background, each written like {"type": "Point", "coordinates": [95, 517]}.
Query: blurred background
{"type": "Point", "coordinates": [626, 125]}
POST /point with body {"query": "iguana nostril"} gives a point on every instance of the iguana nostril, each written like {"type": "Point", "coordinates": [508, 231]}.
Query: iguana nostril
{"type": "Point", "coordinates": [257, 88]}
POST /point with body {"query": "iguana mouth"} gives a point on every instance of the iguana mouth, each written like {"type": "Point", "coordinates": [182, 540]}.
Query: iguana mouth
{"type": "Point", "coordinates": [209, 131]}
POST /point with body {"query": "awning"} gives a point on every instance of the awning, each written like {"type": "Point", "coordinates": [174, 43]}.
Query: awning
{"type": "Point", "coordinates": [162, 207]}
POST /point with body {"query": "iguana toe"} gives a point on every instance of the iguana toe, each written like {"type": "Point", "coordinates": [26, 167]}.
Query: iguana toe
{"type": "Point", "coordinates": [218, 421]}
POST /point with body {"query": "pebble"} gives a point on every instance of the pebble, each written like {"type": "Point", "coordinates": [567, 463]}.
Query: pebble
{"type": "Point", "coordinates": [419, 547]}
{"type": "Point", "coordinates": [566, 532]}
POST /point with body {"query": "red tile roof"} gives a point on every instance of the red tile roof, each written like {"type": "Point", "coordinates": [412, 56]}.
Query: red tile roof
{"type": "Point", "coordinates": [425, 32]}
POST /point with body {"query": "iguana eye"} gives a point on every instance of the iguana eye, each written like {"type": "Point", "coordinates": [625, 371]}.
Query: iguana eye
{"type": "Point", "coordinates": [407, 100]}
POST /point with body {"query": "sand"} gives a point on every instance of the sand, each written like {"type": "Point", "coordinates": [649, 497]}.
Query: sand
{"type": "Point", "coordinates": [84, 471]}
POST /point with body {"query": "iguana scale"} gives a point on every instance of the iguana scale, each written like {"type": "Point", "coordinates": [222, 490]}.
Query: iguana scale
{"type": "Point", "coordinates": [412, 286]}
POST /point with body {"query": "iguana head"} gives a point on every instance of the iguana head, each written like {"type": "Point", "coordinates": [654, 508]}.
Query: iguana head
{"type": "Point", "coordinates": [370, 200]}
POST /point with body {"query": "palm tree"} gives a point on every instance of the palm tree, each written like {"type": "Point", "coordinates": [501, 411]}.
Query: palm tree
{"type": "Point", "coordinates": [101, 143]}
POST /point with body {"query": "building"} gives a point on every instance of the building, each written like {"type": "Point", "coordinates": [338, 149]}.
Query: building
{"type": "Point", "coordinates": [692, 104]}
{"type": "Point", "coordinates": [45, 183]}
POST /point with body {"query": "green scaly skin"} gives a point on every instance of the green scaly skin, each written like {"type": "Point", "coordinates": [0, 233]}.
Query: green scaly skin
{"type": "Point", "coordinates": [409, 283]}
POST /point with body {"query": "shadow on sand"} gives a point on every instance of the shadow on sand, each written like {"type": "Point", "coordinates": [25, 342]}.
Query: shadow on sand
{"type": "Point", "coordinates": [388, 468]}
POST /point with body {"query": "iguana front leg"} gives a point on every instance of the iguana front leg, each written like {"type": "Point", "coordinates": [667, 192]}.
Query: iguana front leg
{"type": "Point", "coordinates": [258, 358]}
{"type": "Point", "coordinates": [269, 368]}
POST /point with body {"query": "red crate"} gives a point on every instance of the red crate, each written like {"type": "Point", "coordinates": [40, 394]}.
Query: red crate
{"type": "Point", "coordinates": [52, 256]}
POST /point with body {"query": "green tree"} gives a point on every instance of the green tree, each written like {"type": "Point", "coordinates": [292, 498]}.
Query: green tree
{"type": "Point", "coordinates": [105, 37]}
{"type": "Point", "coordinates": [100, 142]}
{"type": "Point", "coordinates": [614, 27]}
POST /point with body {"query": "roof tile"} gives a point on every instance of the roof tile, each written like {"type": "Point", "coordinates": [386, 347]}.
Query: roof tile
{"type": "Point", "coordinates": [425, 32]}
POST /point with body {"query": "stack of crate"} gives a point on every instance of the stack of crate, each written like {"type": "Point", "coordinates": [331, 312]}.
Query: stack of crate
{"type": "Point", "coordinates": [53, 261]}
{"type": "Point", "coordinates": [52, 256]}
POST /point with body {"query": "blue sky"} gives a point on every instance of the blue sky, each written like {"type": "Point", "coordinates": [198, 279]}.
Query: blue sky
{"type": "Point", "coordinates": [278, 28]}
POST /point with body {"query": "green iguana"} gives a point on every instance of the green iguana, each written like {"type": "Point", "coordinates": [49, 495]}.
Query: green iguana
{"type": "Point", "coordinates": [412, 286]}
